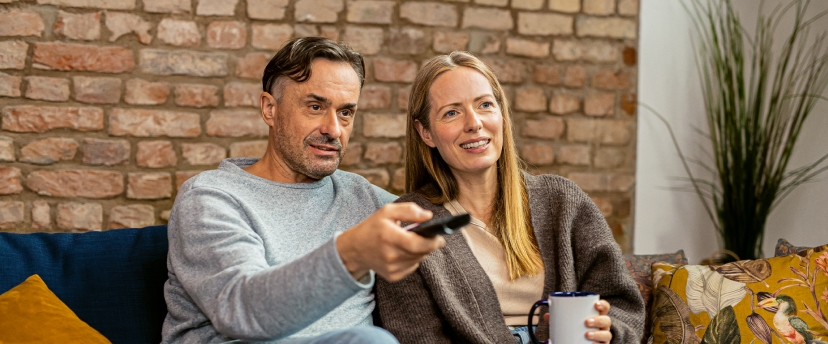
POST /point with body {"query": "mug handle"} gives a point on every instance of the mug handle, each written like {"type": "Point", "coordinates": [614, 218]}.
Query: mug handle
{"type": "Point", "coordinates": [532, 317]}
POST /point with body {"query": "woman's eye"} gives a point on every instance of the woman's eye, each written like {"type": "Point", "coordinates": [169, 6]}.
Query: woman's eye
{"type": "Point", "coordinates": [451, 113]}
{"type": "Point", "coordinates": [487, 104]}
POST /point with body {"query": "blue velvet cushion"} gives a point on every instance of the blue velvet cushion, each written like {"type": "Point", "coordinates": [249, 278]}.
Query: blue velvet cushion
{"type": "Point", "coordinates": [113, 280]}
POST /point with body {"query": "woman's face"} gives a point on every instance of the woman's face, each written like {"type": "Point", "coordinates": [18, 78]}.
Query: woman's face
{"type": "Point", "coordinates": [466, 121]}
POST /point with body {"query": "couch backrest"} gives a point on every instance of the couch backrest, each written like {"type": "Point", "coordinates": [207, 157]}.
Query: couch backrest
{"type": "Point", "coordinates": [113, 280]}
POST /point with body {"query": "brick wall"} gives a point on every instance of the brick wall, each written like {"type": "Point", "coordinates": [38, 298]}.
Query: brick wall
{"type": "Point", "coordinates": [109, 105]}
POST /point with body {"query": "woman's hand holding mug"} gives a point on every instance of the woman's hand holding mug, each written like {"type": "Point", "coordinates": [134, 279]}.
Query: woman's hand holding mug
{"type": "Point", "coordinates": [568, 307]}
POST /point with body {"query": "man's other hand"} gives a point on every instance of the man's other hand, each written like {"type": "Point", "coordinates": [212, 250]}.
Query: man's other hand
{"type": "Point", "coordinates": [379, 243]}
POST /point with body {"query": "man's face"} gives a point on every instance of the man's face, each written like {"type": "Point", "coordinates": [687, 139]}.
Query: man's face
{"type": "Point", "coordinates": [313, 120]}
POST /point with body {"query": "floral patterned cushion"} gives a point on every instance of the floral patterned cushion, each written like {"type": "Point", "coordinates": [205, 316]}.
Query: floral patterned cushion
{"type": "Point", "coordinates": [640, 267]}
{"type": "Point", "coordinates": [773, 300]}
{"type": "Point", "coordinates": [784, 248]}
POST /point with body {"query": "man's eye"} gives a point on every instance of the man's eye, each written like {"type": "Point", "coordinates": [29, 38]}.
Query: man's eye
{"type": "Point", "coordinates": [346, 113]}
{"type": "Point", "coordinates": [315, 107]}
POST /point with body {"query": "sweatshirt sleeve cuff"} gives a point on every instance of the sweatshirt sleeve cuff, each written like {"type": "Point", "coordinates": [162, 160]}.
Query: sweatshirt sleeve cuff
{"type": "Point", "coordinates": [366, 282]}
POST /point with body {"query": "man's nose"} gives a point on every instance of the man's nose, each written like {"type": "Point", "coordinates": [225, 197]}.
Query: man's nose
{"type": "Point", "coordinates": [330, 125]}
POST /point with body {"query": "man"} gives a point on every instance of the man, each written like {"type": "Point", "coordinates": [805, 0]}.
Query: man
{"type": "Point", "coordinates": [285, 247]}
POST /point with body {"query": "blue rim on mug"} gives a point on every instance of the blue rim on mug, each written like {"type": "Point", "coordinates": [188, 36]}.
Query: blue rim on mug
{"type": "Point", "coordinates": [571, 294]}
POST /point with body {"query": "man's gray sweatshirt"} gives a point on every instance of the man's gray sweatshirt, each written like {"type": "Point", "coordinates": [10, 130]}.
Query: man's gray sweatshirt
{"type": "Point", "coordinates": [256, 260]}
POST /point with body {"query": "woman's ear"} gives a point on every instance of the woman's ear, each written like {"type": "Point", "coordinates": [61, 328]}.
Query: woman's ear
{"type": "Point", "coordinates": [424, 133]}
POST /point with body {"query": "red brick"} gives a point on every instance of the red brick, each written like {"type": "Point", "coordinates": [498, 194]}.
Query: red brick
{"type": "Point", "coordinates": [196, 95]}
{"type": "Point", "coordinates": [149, 185]}
{"type": "Point", "coordinates": [251, 149]}
{"type": "Point", "coordinates": [252, 65]}
{"type": "Point", "coordinates": [621, 182]}
{"type": "Point", "coordinates": [9, 85]}
{"type": "Point", "coordinates": [614, 132]}
{"type": "Point", "coordinates": [538, 154]}
{"type": "Point", "coordinates": [353, 154]}
{"type": "Point", "coordinates": [599, 104]}
{"type": "Point", "coordinates": [80, 216]}
{"type": "Point", "coordinates": [386, 69]}
{"type": "Point", "coordinates": [546, 128]}
{"type": "Point", "coordinates": [567, 49]}
{"type": "Point", "coordinates": [153, 123]}
{"type": "Point", "coordinates": [142, 92]}
{"type": "Point", "coordinates": [13, 54]}
{"type": "Point", "coordinates": [375, 97]}
{"type": "Point", "coordinates": [329, 32]}
{"type": "Point", "coordinates": [629, 103]}
{"type": "Point", "coordinates": [124, 23]}
{"type": "Point", "coordinates": [105, 152]}
{"type": "Point", "coordinates": [21, 23]}
{"type": "Point", "coordinates": [487, 18]}
{"type": "Point", "coordinates": [155, 154]}
{"type": "Point", "coordinates": [575, 76]}
{"type": "Point", "coordinates": [38, 119]}
{"type": "Point", "coordinates": [547, 74]}
{"type": "Point", "coordinates": [407, 41]}
{"type": "Point", "coordinates": [599, 7]}
{"type": "Point", "coordinates": [484, 43]}
{"type": "Point", "coordinates": [203, 153]}
{"type": "Point", "coordinates": [628, 7]}
{"type": "Point", "coordinates": [530, 23]}
{"type": "Point", "coordinates": [81, 57]}
{"type": "Point", "coordinates": [6, 149]}
{"type": "Point", "coordinates": [446, 42]}
{"type": "Point", "coordinates": [376, 176]}
{"type": "Point", "coordinates": [610, 80]}
{"type": "Point", "coordinates": [609, 158]}
{"type": "Point", "coordinates": [630, 56]}
{"type": "Point", "coordinates": [384, 152]}
{"type": "Point", "coordinates": [167, 6]}
{"type": "Point", "coordinates": [370, 11]}
{"type": "Point", "coordinates": [499, 3]}
{"type": "Point", "coordinates": [429, 13]}
{"type": "Point", "coordinates": [10, 178]}
{"type": "Point", "coordinates": [105, 4]}
{"type": "Point", "coordinates": [46, 88]}
{"type": "Point", "coordinates": [604, 205]}
{"type": "Point", "coordinates": [76, 183]}
{"type": "Point", "coordinates": [165, 215]}
{"type": "Point", "coordinates": [402, 97]}
{"type": "Point", "coordinates": [366, 40]}
{"type": "Point", "coordinates": [179, 32]}
{"type": "Point", "coordinates": [236, 123]}
{"type": "Point", "coordinates": [507, 71]}
{"type": "Point", "coordinates": [183, 176]}
{"type": "Point", "coordinates": [590, 181]}
{"type": "Point", "coordinates": [49, 150]}
{"type": "Point", "coordinates": [573, 155]}
{"type": "Point", "coordinates": [271, 36]}
{"type": "Point", "coordinates": [566, 6]}
{"type": "Point", "coordinates": [266, 9]}
{"type": "Point", "coordinates": [562, 104]}
{"type": "Point", "coordinates": [391, 126]}
{"type": "Point", "coordinates": [41, 215]}
{"type": "Point", "coordinates": [242, 94]}
{"type": "Point", "coordinates": [609, 27]}
{"type": "Point", "coordinates": [226, 35]}
{"type": "Point", "coordinates": [82, 26]}
{"type": "Point", "coordinates": [601, 51]}
{"type": "Point", "coordinates": [11, 214]}
{"type": "Point", "coordinates": [131, 216]}
{"type": "Point", "coordinates": [530, 99]}
{"type": "Point", "coordinates": [317, 11]}
{"type": "Point", "coordinates": [183, 62]}
{"type": "Point", "coordinates": [97, 90]}
{"type": "Point", "coordinates": [398, 180]}
{"type": "Point", "coordinates": [525, 47]}
{"type": "Point", "coordinates": [216, 7]}
{"type": "Point", "coordinates": [527, 4]}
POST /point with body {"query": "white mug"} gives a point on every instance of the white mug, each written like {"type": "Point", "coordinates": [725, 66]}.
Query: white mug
{"type": "Point", "coordinates": [568, 312]}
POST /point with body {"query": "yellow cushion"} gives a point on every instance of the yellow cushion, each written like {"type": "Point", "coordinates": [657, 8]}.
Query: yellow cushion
{"type": "Point", "coordinates": [31, 313]}
{"type": "Point", "coordinates": [747, 301]}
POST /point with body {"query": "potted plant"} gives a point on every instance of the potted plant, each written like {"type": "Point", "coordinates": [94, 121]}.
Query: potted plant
{"type": "Point", "coordinates": [757, 97]}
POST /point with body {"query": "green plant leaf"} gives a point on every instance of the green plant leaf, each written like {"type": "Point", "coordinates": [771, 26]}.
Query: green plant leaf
{"type": "Point", "coordinates": [723, 329]}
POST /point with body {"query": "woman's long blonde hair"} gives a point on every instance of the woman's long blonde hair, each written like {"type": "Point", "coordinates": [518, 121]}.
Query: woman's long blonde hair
{"type": "Point", "coordinates": [428, 174]}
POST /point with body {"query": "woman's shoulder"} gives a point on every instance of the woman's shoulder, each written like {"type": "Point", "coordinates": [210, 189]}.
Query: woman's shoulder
{"type": "Point", "coordinates": [418, 199]}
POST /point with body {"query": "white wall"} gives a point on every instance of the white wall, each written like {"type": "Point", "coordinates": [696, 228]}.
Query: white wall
{"type": "Point", "coordinates": [667, 219]}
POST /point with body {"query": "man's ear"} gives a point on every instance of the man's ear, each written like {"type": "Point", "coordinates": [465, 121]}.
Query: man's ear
{"type": "Point", "coordinates": [424, 134]}
{"type": "Point", "coordinates": [269, 108]}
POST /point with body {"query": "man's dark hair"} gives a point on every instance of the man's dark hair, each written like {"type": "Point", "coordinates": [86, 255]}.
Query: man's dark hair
{"type": "Point", "coordinates": [294, 61]}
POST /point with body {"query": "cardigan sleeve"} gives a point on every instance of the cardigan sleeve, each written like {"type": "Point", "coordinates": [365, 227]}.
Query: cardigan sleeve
{"type": "Point", "coordinates": [600, 268]}
{"type": "Point", "coordinates": [407, 309]}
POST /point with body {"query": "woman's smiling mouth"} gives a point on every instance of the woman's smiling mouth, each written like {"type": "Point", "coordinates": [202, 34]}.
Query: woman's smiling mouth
{"type": "Point", "coordinates": [472, 145]}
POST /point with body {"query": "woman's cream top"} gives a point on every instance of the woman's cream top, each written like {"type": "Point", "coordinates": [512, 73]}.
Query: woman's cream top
{"type": "Point", "coordinates": [516, 297]}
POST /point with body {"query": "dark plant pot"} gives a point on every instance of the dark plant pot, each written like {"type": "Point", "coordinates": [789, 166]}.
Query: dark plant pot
{"type": "Point", "coordinates": [743, 235]}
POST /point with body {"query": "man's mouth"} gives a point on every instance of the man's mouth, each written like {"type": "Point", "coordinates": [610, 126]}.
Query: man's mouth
{"type": "Point", "coordinates": [475, 144]}
{"type": "Point", "coordinates": [326, 148]}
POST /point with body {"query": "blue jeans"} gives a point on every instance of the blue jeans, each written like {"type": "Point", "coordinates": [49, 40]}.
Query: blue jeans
{"type": "Point", "coordinates": [521, 333]}
{"type": "Point", "coordinates": [354, 335]}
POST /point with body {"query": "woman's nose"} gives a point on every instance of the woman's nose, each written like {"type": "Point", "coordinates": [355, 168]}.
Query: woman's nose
{"type": "Point", "coordinates": [473, 122]}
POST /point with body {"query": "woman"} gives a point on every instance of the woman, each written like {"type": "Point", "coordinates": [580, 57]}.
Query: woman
{"type": "Point", "coordinates": [530, 235]}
